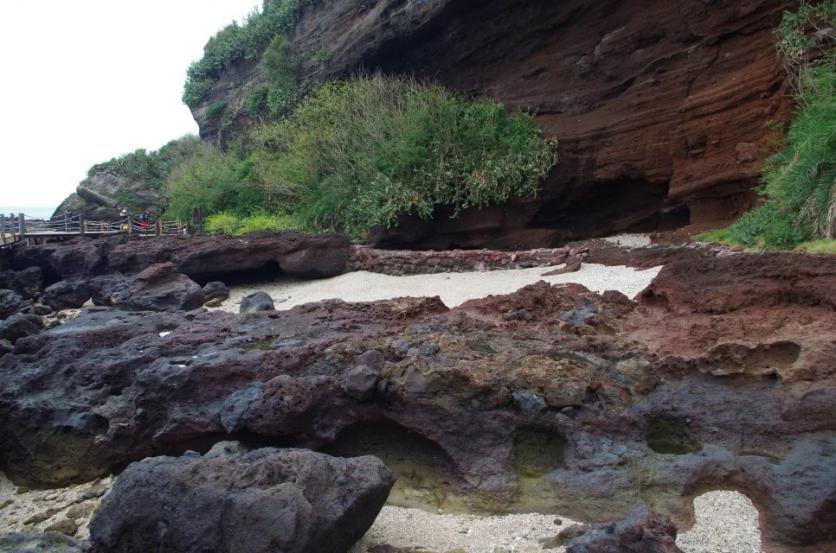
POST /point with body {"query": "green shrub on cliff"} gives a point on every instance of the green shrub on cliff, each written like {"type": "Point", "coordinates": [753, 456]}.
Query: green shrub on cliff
{"type": "Point", "coordinates": [236, 43]}
{"type": "Point", "coordinates": [282, 68]}
{"type": "Point", "coordinates": [799, 182]}
{"type": "Point", "coordinates": [363, 152]}
{"type": "Point", "coordinates": [214, 181]}
{"type": "Point", "coordinates": [150, 167]}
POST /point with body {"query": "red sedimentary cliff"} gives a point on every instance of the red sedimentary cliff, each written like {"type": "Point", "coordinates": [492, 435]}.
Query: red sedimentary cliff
{"type": "Point", "coordinates": [661, 106]}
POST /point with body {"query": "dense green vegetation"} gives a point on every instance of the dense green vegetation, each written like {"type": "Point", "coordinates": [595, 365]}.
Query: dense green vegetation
{"type": "Point", "coordinates": [799, 182]}
{"type": "Point", "coordinates": [227, 223]}
{"type": "Point", "coordinates": [150, 167]}
{"type": "Point", "coordinates": [361, 153]}
{"type": "Point", "coordinates": [236, 43]}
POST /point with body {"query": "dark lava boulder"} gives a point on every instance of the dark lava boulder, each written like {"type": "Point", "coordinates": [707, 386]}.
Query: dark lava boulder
{"type": "Point", "coordinates": [158, 288]}
{"type": "Point", "coordinates": [216, 290]}
{"type": "Point", "coordinates": [642, 531]}
{"type": "Point", "coordinates": [27, 282]}
{"type": "Point", "coordinates": [19, 326]}
{"type": "Point", "coordinates": [67, 294]}
{"type": "Point", "coordinates": [267, 500]}
{"type": "Point", "coordinates": [256, 302]}
{"type": "Point", "coordinates": [10, 302]}
{"type": "Point", "coordinates": [213, 257]}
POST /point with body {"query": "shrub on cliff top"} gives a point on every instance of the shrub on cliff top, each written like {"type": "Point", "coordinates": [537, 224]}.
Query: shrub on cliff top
{"type": "Point", "coordinates": [361, 153]}
{"type": "Point", "coordinates": [150, 167]}
{"type": "Point", "coordinates": [236, 43]}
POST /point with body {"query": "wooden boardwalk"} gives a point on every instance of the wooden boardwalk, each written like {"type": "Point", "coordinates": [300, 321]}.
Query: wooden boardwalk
{"type": "Point", "coordinates": [18, 228]}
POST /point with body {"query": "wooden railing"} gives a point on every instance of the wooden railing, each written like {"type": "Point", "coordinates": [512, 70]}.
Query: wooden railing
{"type": "Point", "coordinates": [17, 227]}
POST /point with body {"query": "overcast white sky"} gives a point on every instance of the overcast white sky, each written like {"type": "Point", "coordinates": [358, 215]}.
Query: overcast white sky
{"type": "Point", "coordinates": [88, 80]}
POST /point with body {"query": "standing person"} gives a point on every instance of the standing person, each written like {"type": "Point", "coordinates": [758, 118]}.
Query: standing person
{"type": "Point", "coordinates": [144, 222]}
{"type": "Point", "coordinates": [124, 221]}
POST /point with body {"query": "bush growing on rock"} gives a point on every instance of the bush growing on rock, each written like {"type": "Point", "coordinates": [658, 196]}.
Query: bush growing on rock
{"type": "Point", "coordinates": [363, 152]}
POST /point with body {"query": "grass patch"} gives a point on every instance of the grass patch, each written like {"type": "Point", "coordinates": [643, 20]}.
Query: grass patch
{"type": "Point", "coordinates": [799, 181]}
{"type": "Point", "coordinates": [818, 246]}
{"type": "Point", "coordinates": [227, 223]}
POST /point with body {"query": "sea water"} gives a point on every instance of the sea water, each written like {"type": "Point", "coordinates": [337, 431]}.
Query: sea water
{"type": "Point", "coordinates": [31, 212]}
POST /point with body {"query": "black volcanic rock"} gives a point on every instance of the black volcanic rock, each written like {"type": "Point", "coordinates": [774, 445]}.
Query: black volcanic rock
{"type": "Point", "coordinates": [649, 402]}
{"type": "Point", "coordinates": [10, 302]}
{"type": "Point", "coordinates": [643, 531]}
{"type": "Point", "coordinates": [288, 500]}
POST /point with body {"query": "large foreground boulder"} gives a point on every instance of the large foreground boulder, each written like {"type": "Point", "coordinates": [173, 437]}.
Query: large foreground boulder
{"type": "Point", "coordinates": [268, 500]}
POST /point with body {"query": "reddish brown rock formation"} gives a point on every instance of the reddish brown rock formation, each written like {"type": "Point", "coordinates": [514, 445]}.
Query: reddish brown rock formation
{"type": "Point", "coordinates": [660, 105]}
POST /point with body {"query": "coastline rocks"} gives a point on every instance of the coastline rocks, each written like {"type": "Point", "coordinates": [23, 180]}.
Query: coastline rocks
{"type": "Point", "coordinates": [160, 287]}
{"type": "Point", "coordinates": [202, 258]}
{"type": "Point", "coordinates": [19, 326]}
{"type": "Point", "coordinates": [294, 501]}
{"type": "Point", "coordinates": [10, 303]}
{"type": "Point", "coordinates": [642, 531]}
{"type": "Point", "coordinates": [67, 294]}
{"type": "Point", "coordinates": [629, 406]}
{"type": "Point", "coordinates": [256, 303]}
{"type": "Point", "coordinates": [212, 257]}
{"type": "Point", "coordinates": [27, 282]}
{"type": "Point", "coordinates": [216, 291]}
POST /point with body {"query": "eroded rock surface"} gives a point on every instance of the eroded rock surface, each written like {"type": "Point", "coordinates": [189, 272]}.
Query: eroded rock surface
{"type": "Point", "coordinates": [643, 531]}
{"type": "Point", "coordinates": [293, 501]}
{"type": "Point", "coordinates": [203, 258]}
{"type": "Point", "coordinates": [551, 398]}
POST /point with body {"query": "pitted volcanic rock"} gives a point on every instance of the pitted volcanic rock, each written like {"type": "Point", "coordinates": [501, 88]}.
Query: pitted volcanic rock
{"type": "Point", "coordinates": [724, 384]}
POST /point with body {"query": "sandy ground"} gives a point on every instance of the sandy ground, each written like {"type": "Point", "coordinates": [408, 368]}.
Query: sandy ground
{"type": "Point", "coordinates": [727, 522]}
{"type": "Point", "coordinates": [66, 510]}
{"type": "Point", "coordinates": [453, 288]}
{"type": "Point", "coordinates": [629, 240]}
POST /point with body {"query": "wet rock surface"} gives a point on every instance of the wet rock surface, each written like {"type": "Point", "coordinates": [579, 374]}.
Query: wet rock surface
{"type": "Point", "coordinates": [550, 399]}
{"type": "Point", "coordinates": [286, 500]}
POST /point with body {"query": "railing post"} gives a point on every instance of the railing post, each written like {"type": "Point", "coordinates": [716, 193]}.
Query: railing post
{"type": "Point", "coordinates": [159, 227]}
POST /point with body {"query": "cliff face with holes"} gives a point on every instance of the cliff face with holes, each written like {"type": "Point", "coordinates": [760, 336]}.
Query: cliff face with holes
{"type": "Point", "coordinates": [661, 106]}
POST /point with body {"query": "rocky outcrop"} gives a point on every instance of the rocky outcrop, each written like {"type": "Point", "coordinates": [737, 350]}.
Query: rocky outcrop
{"type": "Point", "coordinates": [552, 398]}
{"type": "Point", "coordinates": [642, 531]}
{"type": "Point", "coordinates": [293, 501]}
{"type": "Point", "coordinates": [202, 258]}
{"type": "Point", "coordinates": [103, 195]}
{"type": "Point", "coordinates": [660, 107]}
